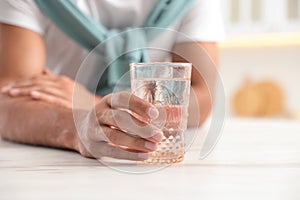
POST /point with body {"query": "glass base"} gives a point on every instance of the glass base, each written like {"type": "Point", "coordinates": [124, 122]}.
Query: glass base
{"type": "Point", "coordinates": [163, 159]}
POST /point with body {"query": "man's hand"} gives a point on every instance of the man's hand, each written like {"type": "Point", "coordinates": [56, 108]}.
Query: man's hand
{"type": "Point", "coordinates": [120, 126]}
{"type": "Point", "coordinates": [50, 88]}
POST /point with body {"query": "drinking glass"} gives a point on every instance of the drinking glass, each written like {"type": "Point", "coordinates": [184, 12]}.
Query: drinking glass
{"type": "Point", "coordinates": [166, 85]}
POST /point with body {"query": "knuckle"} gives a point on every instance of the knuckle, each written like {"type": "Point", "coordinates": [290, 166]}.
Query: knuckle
{"type": "Point", "coordinates": [121, 96]}
{"type": "Point", "coordinates": [107, 97]}
{"type": "Point", "coordinates": [106, 100]}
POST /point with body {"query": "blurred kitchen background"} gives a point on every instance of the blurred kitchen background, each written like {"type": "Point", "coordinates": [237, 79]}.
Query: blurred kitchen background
{"type": "Point", "coordinates": [260, 59]}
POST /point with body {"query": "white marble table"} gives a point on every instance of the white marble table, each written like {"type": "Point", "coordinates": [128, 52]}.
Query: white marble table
{"type": "Point", "coordinates": [254, 159]}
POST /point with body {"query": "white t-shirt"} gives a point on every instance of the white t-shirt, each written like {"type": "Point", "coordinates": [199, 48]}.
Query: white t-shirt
{"type": "Point", "coordinates": [64, 56]}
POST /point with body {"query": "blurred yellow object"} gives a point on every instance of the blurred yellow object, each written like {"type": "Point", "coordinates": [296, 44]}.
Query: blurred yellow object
{"type": "Point", "coordinates": [262, 99]}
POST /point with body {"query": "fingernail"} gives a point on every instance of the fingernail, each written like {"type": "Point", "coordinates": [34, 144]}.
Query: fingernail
{"type": "Point", "coordinates": [143, 156]}
{"type": "Point", "coordinates": [14, 92]}
{"type": "Point", "coordinates": [151, 146]}
{"type": "Point", "coordinates": [35, 94]}
{"type": "Point", "coordinates": [6, 88]}
{"type": "Point", "coordinates": [153, 112]}
{"type": "Point", "coordinates": [158, 136]}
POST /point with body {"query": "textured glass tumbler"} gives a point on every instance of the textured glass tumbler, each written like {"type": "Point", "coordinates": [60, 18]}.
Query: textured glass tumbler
{"type": "Point", "coordinates": [167, 87]}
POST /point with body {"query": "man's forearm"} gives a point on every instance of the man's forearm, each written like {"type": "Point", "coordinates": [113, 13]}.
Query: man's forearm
{"type": "Point", "coordinates": [34, 122]}
{"type": "Point", "coordinates": [200, 106]}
